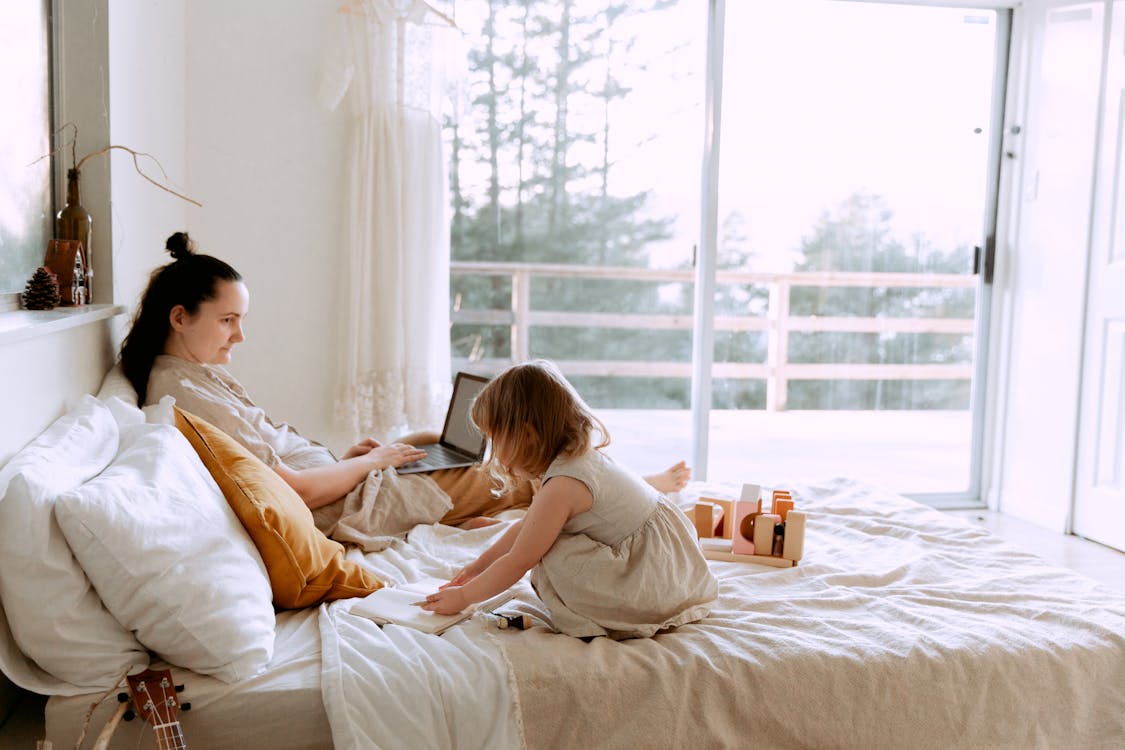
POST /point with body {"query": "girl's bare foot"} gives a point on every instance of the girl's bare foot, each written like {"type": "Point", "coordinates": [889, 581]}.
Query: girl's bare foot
{"type": "Point", "coordinates": [671, 479]}
{"type": "Point", "coordinates": [478, 522]}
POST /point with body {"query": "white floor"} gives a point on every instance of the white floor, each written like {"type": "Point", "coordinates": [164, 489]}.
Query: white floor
{"type": "Point", "coordinates": [910, 452]}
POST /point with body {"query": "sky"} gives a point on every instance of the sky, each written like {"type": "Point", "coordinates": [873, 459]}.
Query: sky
{"type": "Point", "coordinates": [821, 99]}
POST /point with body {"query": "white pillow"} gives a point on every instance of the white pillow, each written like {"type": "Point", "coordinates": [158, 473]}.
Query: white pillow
{"type": "Point", "coordinates": [170, 559]}
{"type": "Point", "coordinates": [54, 615]}
{"type": "Point", "coordinates": [115, 384]}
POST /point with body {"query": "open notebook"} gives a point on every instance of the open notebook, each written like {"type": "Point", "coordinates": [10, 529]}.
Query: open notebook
{"type": "Point", "coordinates": [397, 605]}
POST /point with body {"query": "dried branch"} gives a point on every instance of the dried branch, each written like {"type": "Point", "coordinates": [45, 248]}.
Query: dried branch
{"type": "Point", "coordinates": [73, 145]}
{"type": "Point", "coordinates": [136, 161]}
{"type": "Point", "coordinates": [137, 166]}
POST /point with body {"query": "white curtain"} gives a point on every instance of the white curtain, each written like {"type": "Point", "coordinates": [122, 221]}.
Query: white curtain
{"type": "Point", "coordinates": [400, 65]}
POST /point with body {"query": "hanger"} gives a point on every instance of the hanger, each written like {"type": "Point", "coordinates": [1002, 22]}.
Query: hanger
{"type": "Point", "coordinates": [357, 7]}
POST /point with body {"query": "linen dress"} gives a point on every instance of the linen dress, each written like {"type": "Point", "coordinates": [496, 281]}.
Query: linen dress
{"type": "Point", "coordinates": [628, 567]}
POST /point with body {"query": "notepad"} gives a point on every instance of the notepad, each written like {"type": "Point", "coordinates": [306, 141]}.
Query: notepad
{"type": "Point", "coordinates": [398, 605]}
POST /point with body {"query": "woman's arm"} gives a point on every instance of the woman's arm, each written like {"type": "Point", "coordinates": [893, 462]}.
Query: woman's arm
{"type": "Point", "coordinates": [560, 498]}
{"type": "Point", "coordinates": [321, 485]}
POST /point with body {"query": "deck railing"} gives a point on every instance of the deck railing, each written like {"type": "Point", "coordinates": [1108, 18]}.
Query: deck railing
{"type": "Point", "coordinates": [778, 323]}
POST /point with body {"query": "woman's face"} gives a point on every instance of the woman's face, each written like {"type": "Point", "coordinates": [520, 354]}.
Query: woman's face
{"type": "Point", "coordinates": [208, 336]}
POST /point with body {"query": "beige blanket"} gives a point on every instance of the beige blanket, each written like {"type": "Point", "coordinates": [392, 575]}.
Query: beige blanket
{"type": "Point", "coordinates": [902, 627]}
{"type": "Point", "coordinates": [384, 507]}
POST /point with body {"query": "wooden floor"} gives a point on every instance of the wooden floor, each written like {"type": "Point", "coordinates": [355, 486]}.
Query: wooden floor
{"type": "Point", "coordinates": [1103, 564]}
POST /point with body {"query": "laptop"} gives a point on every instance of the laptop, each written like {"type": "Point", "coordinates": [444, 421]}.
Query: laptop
{"type": "Point", "coordinates": [461, 444]}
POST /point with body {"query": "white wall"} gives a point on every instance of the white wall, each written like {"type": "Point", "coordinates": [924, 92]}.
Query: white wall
{"type": "Point", "coordinates": [268, 163]}
{"type": "Point", "coordinates": [147, 106]}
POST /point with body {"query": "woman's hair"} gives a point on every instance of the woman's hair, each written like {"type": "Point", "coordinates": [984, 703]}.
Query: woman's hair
{"type": "Point", "coordinates": [534, 396]}
{"type": "Point", "coordinates": [188, 280]}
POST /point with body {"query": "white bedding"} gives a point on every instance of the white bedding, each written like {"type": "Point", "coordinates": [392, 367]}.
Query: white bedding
{"type": "Point", "coordinates": [901, 627]}
{"type": "Point", "coordinates": [395, 687]}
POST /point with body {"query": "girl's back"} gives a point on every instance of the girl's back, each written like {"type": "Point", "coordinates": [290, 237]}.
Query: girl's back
{"type": "Point", "coordinates": [623, 501]}
{"type": "Point", "coordinates": [628, 567]}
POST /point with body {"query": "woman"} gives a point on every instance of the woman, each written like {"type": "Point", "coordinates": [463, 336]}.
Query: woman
{"type": "Point", "coordinates": [189, 320]}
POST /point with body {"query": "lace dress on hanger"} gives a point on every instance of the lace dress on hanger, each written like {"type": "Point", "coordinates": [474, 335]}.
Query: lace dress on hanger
{"type": "Point", "coordinates": [400, 65]}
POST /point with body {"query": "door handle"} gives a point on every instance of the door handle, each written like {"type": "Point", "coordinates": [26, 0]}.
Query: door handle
{"type": "Point", "coordinates": [985, 262]}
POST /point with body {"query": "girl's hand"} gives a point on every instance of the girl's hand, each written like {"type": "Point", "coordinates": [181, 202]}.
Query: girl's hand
{"type": "Point", "coordinates": [447, 601]}
{"type": "Point", "coordinates": [362, 448]}
{"type": "Point", "coordinates": [395, 454]}
{"type": "Point", "coordinates": [466, 574]}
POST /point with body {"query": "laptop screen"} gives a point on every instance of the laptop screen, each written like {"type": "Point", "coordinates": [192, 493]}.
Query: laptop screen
{"type": "Point", "coordinates": [460, 432]}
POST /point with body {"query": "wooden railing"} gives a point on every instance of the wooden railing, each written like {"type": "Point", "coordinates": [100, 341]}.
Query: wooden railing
{"type": "Point", "coordinates": [777, 371]}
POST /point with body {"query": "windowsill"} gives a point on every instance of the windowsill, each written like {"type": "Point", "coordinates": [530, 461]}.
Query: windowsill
{"type": "Point", "coordinates": [17, 325]}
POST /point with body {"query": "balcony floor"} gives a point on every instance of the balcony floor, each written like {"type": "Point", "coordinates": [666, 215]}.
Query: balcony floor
{"type": "Point", "coordinates": [911, 452]}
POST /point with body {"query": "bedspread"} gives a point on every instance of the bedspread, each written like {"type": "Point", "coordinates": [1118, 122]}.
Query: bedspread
{"type": "Point", "coordinates": [901, 627]}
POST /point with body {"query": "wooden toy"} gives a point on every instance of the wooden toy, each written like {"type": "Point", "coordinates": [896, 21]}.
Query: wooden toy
{"type": "Point", "coordinates": [781, 503]}
{"type": "Point", "coordinates": [775, 562]}
{"type": "Point", "coordinates": [706, 520]}
{"type": "Point", "coordinates": [763, 533]}
{"type": "Point", "coordinates": [794, 545]}
{"type": "Point", "coordinates": [776, 538]}
{"type": "Point", "coordinates": [745, 513]}
{"type": "Point", "coordinates": [722, 527]}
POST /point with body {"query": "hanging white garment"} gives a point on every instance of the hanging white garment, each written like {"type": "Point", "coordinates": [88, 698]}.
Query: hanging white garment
{"type": "Point", "coordinates": [398, 63]}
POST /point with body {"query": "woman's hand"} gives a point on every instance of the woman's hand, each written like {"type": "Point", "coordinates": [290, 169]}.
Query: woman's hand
{"type": "Point", "coordinates": [447, 601]}
{"type": "Point", "coordinates": [362, 448]}
{"type": "Point", "coordinates": [395, 454]}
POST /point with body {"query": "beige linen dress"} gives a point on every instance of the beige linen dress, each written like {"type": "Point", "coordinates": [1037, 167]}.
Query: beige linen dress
{"type": "Point", "coordinates": [628, 567]}
{"type": "Point", "coordinates": [380, 508]}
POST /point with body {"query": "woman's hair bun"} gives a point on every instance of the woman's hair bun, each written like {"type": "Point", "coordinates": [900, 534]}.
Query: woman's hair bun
{"type": "Point", "coordinates": [180, 245]}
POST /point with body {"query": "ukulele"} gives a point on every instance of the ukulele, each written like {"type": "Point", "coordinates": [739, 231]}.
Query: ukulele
{"type": "Point", "coordinates": [153, 696]}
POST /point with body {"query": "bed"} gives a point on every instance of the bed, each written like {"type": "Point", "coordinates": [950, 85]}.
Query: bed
{"type": "Point", "coordinates": [901, 627]}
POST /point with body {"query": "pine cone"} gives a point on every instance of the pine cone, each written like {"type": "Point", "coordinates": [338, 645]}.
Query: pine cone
{"type": "Point", "coordinates": [42, 291]}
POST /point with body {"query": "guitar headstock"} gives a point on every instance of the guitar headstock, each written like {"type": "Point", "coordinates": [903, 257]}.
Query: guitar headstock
{"type": "Point", "coordinates": [154, 699]}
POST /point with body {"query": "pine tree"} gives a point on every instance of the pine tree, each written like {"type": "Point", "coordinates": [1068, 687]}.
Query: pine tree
{"type": "Point", "coordinates": [42, 291]}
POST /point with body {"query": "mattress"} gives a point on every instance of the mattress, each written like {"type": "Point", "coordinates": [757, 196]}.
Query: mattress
{"type": "Point", "coordinates": [279, 708]}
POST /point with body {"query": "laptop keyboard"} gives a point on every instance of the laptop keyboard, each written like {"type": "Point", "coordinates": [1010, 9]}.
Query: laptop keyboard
{"type": "Point", "coordinates": [438, 455]}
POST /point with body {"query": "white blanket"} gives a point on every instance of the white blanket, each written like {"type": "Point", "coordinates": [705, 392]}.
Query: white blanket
{"type": "Point", "coordinates": [901, 627]}
{"type": "Point", "coordinates": [394, 687]}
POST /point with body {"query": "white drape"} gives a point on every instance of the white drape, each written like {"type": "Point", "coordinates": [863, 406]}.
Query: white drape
{"type": "Point", "coordinates": [398, 63]}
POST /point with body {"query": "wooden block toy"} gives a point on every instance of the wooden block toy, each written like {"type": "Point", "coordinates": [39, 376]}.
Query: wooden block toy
{"type": "Point", "coordinates": [751, 493]}
{"type": "Point", "coordinates": [714, 545]}
{"type": "Point", "coordinates": [781, 504]}
{"type": "Point", "coordinates": [726, 525]}
{"type": "Point", "coordinates": [794, 545]}
{"type": "Point", "coordinates": [706, 517]}
{"type": "Point", "coordinates": [763, 532]}
{"type": "Point", "coordinates": [776, 562]}
{"type": "Point", "coordinates": [745, 513]}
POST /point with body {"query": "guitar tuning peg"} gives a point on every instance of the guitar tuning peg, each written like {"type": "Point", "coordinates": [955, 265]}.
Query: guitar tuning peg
{"type": "Point", "coordinates": [179, 688]}
{"type": "Point", "coordinates": [185, 706]}
{"type": "Point", "coordinates": [129, 716]}
{"type": "Point", "coordinates": [121, 697]}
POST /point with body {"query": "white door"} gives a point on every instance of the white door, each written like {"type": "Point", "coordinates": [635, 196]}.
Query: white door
{"type": "Point", "coordinates": [1099, 512]}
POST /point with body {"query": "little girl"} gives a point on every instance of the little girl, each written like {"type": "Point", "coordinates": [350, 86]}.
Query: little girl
{"type": "Point", "coordinates": [611, 555]}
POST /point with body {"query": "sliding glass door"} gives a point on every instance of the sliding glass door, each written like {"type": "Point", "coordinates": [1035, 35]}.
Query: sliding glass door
{"type": "Point", "coordinates": [855, 174]}
{"type": "Point", "coordinates": [745, 230]}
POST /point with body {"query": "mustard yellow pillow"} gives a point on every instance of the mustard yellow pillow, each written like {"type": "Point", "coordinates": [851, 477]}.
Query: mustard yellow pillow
{"type": "Point", "coordinates": [305, 567]}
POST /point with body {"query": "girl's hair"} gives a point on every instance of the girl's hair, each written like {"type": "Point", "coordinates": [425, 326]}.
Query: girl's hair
{"type": "Point", "coordinates": [188, 280]}
{"type": "Point", "coordinates": [538, 416]}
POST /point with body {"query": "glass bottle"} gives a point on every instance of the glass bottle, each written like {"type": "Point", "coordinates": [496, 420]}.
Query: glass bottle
{"type": "Point", "coordinates": [74, 223]}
